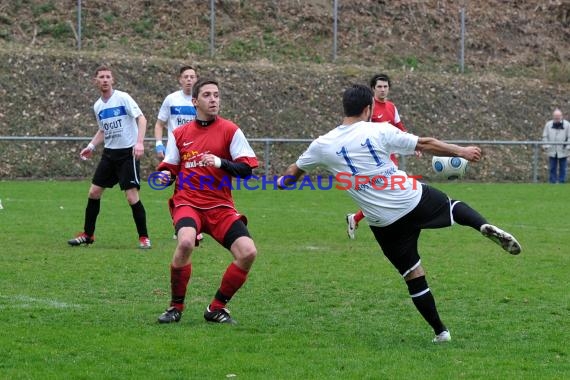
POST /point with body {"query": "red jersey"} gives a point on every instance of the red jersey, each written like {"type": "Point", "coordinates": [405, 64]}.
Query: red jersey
{"type": "Point", "coordinates": [386, 111]}
{"type": "Point", "coordinates": [199, 186]}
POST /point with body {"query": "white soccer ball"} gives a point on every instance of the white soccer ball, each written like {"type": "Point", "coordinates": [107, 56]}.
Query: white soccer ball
{"type": "Point", "coordinates": [449, 167]}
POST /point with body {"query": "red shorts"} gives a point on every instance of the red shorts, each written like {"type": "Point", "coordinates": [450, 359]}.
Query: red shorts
{"type": "Point", "coordinates": [214, 221]}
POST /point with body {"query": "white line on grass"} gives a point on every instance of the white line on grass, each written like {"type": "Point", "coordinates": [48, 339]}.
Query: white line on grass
{"type": "Point", "coordinates": [26, 301]}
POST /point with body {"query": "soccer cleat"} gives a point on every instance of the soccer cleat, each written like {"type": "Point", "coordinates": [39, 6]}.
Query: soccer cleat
{"type": "Point", "coordinates": [171, 314]}
{"type": "Point", "coordinates": [82, 238]}
{"type": "Point", "coordinates": [351, 226]}
{"type": "Point", "coordinates": [443, 336]}
{"type": "Point", "coordinates": [219, 316]}
{"type": "Point", "coordinates": [504, 239]}
{"type": "Point", "coordinates": [144, 242]}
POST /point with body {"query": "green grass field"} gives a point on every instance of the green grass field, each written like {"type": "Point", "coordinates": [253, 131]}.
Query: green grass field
{"type": "Point", "coordinates": [316, 306]}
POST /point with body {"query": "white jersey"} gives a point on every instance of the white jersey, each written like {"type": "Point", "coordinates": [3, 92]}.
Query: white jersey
{"type": "Point", "coordinates": [117, 119]}
{"type": "Point", "coordinates": [358, 155]}
{"type": "Point", "coordinates": [176, 109]}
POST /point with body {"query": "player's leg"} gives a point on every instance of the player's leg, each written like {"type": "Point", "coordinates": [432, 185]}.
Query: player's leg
{"type": "Point", "coordinates": [103, 178]}
{"type": "Point", "coordinates": [436, 210]}
{"type": "Point", "coordinates": [424, 302]}
{"type": "Point", "coordinates": [181, 264]}
{"type": "Point", "coordinates": [93, 208]}
{"type": "Point", "coordinates": [238, 241]}
{"type": "Point", "coordinates": [128, 170]}
{"type": "Point", "coordinates": [399, 244]}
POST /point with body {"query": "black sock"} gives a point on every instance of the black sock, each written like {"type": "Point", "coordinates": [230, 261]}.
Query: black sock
{"type": "Point", "coordinates": [91, 212]}
{"type": "Point", "coordinates": [425, 303]}
{"type": "Point", "coordinates": [139, 215]}
{"type": "Point", "coordinates": [466, 216]}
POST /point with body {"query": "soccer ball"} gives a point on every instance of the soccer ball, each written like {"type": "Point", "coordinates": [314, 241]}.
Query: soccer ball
{"type": "Point", "coordinates": [449, 167]}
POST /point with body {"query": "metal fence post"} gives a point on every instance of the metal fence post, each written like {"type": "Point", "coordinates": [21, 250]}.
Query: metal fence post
{"type": "Point", "coordinates": [212, 25]}
{"type": "Point", "coordinates": [335, 28]}
{"type": "Point", "coordinates": [462, 53]}
{"type": "Point", "coordinates": [266, 154]}
{"type": "Point", "coordinates": [78, 24]}
{"type": "Point", "coordinates": [535, 163]}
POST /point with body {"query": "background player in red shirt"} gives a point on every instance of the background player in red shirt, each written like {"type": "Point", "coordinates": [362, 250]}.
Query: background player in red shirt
{"type": "Point", "coordinates": [204, 155]}
{"type": "Point", "coordinates": [383, 110]}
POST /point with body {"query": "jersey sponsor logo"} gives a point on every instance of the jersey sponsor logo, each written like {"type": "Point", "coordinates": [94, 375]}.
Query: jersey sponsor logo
{"type": "Point", "coordinates": [187, 143]}
{"type": "Point", "coordinates": [183, 120]}
{"type": "Point", "coordinates": [183, 110]}
{"type": "Point", "coordinates": [191, 155]}
{"type": "Point", "coordinates": [108, 113]}
{"type": "Point", "coordinates": [194, 164]}
{"type": "Point", "coordinates": [115, 124]}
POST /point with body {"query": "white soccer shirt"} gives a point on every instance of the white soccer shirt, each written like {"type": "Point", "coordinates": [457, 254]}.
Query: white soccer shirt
{"type": "Point", "coordinates": [176, 109]}
{"type": "Point", "coordinates": [359, 153]}
{"type": "Point", "coordinates": [117, 119]}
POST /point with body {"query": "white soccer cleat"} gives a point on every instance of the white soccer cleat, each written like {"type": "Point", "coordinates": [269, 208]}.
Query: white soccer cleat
{"type": "Point", "coordinates": [443, 336]}
{"type": "Point", "coordinates": [144, 243]}
{"type": "Point", "coordinates": [504, 239]}
{"type": "Point", "coordinates": [351, 226]}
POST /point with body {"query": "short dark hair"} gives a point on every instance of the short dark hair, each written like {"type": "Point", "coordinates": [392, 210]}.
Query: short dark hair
{"type": "Point", "coordinates": [102, 68]}
{"type": "Point", "coordinates": [187, 67]}
{"type": "Point", "coordinates": [201, 83]}
{"type": "Point", "coordinates": [382, 77]}
{"type": "Point", "coordinates": [356, 98]}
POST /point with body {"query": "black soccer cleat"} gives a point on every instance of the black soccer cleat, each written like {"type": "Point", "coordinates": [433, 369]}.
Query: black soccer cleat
{"type": "Point", "coordinates": [219, 316]}
{"type": "Point", "coordinates": [80, 239]}
{"type": "Point", "coordinates": [171, 315]}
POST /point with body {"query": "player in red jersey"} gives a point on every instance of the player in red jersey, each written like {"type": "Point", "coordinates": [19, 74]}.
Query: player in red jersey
{"type": "Point", "coordinates": [383, 110]}
{"type": "Point", "coordinates": [204, 156]}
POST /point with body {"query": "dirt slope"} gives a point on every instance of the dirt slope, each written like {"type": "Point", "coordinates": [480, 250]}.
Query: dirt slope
{"type": "Point", "coordinates": [273, 59]}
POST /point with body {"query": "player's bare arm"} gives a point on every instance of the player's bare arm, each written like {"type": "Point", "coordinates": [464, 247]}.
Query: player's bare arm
{"type": "Point", "coordinates": [87, 152]}
{"type": "Point", "coordinates": [440, 148]}
{"type": "Point", "coordinates": [291, 175]}
{"type": "Point", "coordinates": [138, 150]}
{"type": "Point", "coordinates": [158, 127]}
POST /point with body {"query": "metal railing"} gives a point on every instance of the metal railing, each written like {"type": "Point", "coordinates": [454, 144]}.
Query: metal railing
{"type": "Point", "coordinates": [269, 141]}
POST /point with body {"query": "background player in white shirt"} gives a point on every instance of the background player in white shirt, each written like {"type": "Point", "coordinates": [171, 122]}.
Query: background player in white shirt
{"type": "Point", "coordinates": [397, 208]}
{"type": "Point", "coordinates": [177, 108]}
{"type": "Point", "coordinates": [122, 127]}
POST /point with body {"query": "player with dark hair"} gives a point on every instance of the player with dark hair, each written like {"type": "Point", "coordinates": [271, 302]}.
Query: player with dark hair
{"type": "Point", "coordinates": [397, 208]}
{"type": "Point", "coordinates": [122, 127]}
{"type": "Point", "coordinates": [215, 149]}
{"type": "Point", "coordinates": [383, 110]}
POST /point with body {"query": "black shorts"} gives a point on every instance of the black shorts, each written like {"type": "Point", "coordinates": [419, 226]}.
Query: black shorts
{"type": "Point", "coordinates": [118, 166]}
{"type": "Point", "coordinates": [399, 240]}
